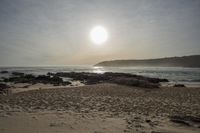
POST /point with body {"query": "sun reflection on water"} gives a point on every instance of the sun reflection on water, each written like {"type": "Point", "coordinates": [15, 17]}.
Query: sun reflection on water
{"type": "Point", "coordinates": [98, 70]}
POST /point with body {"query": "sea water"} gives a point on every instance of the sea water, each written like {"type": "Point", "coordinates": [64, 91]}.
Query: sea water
{"type": "Point", "coordinates": [187, 76]}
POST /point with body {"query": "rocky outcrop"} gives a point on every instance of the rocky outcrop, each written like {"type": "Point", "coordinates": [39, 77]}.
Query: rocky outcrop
{"type": "Point", "coordinates": [29, 78]}
{"type": "Point", "coordinates": [88, 79]}
{"type": "Point", "coordinates": [109, 77]}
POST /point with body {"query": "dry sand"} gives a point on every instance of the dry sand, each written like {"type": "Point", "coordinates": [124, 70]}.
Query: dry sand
{"type": "Point", "coordinates": [102, 108]}
{"type": "Point", "coordinates": [62, 122]}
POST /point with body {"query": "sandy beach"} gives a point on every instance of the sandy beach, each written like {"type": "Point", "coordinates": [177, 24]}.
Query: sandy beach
{"type": "Point", "coordinates": [101, 108]}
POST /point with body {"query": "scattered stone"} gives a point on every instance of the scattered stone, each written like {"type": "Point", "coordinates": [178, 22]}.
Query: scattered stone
{"type": "Point", "coordinates": [179, 85]}
{"type": "Point", "coordinates": [52, 124]}
{"type": "Point", "coordinates": [26, 86]}
{"type": "Point", "coordinates": [157, 132]}
{"type": "Point", "coordinates": [34, 117]}
{"type": "Point", "coordinates": [148, 121]}
{"type": "Point", "coordinates": [58, 124]}
{"type": "Point", "coordinates": [98, 132]}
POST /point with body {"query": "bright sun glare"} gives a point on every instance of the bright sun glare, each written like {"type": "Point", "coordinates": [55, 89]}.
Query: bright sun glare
{"type": "Point", "coordinates": [98, 35]}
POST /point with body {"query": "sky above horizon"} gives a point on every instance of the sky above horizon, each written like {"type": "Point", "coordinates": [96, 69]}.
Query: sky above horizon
{"type": "Point", "coordinates": [56, 32]}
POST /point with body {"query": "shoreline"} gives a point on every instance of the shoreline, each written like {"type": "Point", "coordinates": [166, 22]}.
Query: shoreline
{"type": "Point", "coordinates": [21, 87]}
{"type": "Point", "coordinates": [190, 76]}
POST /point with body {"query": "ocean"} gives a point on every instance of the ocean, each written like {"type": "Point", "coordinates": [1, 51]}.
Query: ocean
{"type": "Point", "coordinates": [188, 76]}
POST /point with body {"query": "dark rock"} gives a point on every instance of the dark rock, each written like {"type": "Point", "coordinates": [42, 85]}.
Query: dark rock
{"type": "Point", "coordinates": [89, 78]}
{"type": "Point", "coordinates": [185, 120]}
{"type": "Point", "coordinates": [180, 122]}
{"type": "Point", "coordinates": [55, 80]}
{"type": "Point", "coordinates": [134, 82]}
{"type": "Point", "coordinates": [50, 74]}
{"type": "Point", "coordinates": [148, 120]}
{"type": "Point", "coordinates": [3, 72]}
{"type": "Point", "coordinates": [3, 88]}
{"type": "Point", "coordinates": [45, 79]}
{"type": "Point", "coordinates": [29, 76]}
{"type": "Point", "coordinates": [110, 77]}
{"type": "Point", "coordinates": [127, 75]}
{"type": "Point", "coordinates": [21, 79]}
{"type": "Point", "coordinates": [17, 73]}
{"type": "Point", "coordinates": [179, 85]}
{"type": "Point", "coordinates": [58, 81]}
{"type": "Point", "coordinates": [66, 83]}
{"type": "Point", "coordinates": [157, 132]}
{"type": "Point", "coordinates": [26, 86]}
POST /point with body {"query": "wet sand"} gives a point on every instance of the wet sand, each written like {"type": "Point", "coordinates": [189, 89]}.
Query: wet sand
{"type": "Point", "coordinates": [101, 108]}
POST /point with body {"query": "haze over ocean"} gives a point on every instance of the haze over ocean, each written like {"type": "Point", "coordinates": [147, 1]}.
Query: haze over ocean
{"type": "Point", "coordinates": [49, 32]}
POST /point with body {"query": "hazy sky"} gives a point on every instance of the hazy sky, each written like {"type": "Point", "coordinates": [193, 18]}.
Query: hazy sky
{"type": "Point", "coordinates": [56, 32]}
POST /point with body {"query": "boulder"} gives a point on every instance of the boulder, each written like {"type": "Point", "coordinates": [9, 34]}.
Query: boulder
{"type": "Point", "coordinates": [3, 72]}
{"type": "Point", "coordinates": [179, 85]}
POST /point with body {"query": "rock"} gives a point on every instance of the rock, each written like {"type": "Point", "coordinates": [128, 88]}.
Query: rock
{"type": "Point", "coordinates": [179, 85]}
{"type": "Point", "coordinates": [55, 80]}
{"type": "Point", "coordinates": [29, 78]}
{"type": "Point", "coordinates": [26, 86]}
{"type": "Point", "coordinates": [134, 82]}
{"type": "Point", "coordinates": [88, 78]}
{"type": "Point", "coordinates": [3, 88]}
{"type": "Point", "coordinates": [60, 124]}
{"type": "Point", "coordinates": [17, 73]}
{"type": "Point", "coordinates": [185, 120]}
{"type": "Point", "coordinates": [110, 77]}
{"type": "Point", "coordinates": [152, 80]}
{"type": "Point", "coordinates": [66, 83]}
{"type": "Point", "coordinates": [157, 132]}
{"type": "Point", "coordinates": [52, 124]}
{"type": "Point", "coordinates": [50, 74]}
{"type": "Point", "coordinates": [21, 79]}
{"type": "Point", "coordinates": [148, 120]}
{"type": "Point", "coordinates": [3, 72]}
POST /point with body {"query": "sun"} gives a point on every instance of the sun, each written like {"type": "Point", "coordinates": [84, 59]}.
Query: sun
{"type": "Point", "coordinates": [98, 35]}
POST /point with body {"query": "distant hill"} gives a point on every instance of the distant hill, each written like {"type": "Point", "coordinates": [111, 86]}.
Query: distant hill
{"type": "Point", "coordinates": [185, 61]}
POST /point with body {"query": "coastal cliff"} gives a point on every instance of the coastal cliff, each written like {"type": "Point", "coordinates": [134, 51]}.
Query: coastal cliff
{"type": "Point", "coordinates": [184, 61]}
